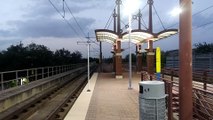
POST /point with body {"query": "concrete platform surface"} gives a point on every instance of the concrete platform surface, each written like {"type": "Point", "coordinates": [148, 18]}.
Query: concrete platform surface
{"type": "Point", "coordinates": [112, 100]}
{"type": "Point", "coordinates": [79, 109]}
{"type": "Point", "coordinates": [109, 99]}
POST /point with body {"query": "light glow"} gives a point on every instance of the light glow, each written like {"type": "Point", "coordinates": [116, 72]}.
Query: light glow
{"type": "Point", "coordinates": [131, 6]}
{"type": "Point", "coordinates": [176, 11]}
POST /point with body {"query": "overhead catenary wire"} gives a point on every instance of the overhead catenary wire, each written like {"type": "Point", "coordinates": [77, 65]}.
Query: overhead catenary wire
{"type": "Point", "coordinates": [199, 12]}
{"type": "Point", "coordinates": [74, 18]}
{"type": "Point", "coordinates": [203, 25]}
{"type": "Point", "coordinates": [65, 19]}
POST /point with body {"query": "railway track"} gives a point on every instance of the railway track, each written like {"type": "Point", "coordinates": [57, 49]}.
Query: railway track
{"type": "Point", "coordinates": [54, 105]}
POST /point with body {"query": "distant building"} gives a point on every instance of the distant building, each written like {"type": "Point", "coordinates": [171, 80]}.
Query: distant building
{"type": "Point", "coordinates": [200, 61]}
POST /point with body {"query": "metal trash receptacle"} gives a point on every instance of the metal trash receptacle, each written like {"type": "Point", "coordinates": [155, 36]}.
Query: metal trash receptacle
{"type": "Point", "coordinates": [152, 105]}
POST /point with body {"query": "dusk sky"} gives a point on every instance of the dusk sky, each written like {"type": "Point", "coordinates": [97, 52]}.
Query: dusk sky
{"type": "Point", "coordinates": [38, 21]}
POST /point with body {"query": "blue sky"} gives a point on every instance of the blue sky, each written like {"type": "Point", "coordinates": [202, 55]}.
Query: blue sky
{"type": "Point", "coordinates": [37, 21]}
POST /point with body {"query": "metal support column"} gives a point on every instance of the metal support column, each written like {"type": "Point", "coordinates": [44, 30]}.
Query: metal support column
{"type": "Point", "coordinates": [185, 57]}
{"type": "Point", "coordinates": [139, 58]}
{"type": "Point", "coordinates": [118, 61]}
{"type": "Point", "coordinates": [150, 53]}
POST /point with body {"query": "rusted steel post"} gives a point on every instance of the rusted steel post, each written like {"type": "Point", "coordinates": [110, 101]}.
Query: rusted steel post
{"type": "Point", "coordinates": [139, 19]}
{"type": "Point", "coordinates": [170, 112]}
{"type": "Point", "coordinates": [2, 81]}
{"type": "Point", "coordinates": [151, 77]}
{"type": "Point", "coordinates": [150, 2]}
{"type": "Point", "coordinates": [185, 57]}
{"type": "Point", "coordinates": [139, 57]}
{"type": "Point", "coordinates": [118, 61]}
{"type": "Point", "coordinates": [172, 74]}
{"type": "Point", "coordinates": [205, 80]}
{"type": "Point", "coordinates": [150, 58]}
{"type": "Point", "coordinates": [114, 16]}
{"type": "Point", "coordinates": [162, 73]}
{"type": "Point", "coordinates": [150, 53]}
{"type": "Point", "coordinates": [101, 61]}
{"type": "Point", "coordinates": [142, 76]}
{"type": "Point", "coordinates": [114, 52]}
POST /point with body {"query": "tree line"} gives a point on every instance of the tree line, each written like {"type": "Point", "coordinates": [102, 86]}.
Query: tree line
{"type": "Point", "coordinates": [34, 55]}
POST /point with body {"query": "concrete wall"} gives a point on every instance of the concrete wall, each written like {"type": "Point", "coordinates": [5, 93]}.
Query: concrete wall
{"type": "Point", "coordinates": [19, 94]}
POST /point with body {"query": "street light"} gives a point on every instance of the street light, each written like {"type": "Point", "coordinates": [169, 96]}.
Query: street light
{"type": "Point", "coordinates": [130, 7]}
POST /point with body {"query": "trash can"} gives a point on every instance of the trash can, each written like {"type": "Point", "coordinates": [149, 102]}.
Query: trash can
{"type": "Point", "coordinates": [152, 105]}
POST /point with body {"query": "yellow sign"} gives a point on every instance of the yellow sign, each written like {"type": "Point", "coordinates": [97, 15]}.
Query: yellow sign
{"type": "Point", "coordinates": [158, 60]}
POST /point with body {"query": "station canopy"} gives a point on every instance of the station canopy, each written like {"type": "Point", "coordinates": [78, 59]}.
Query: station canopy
{"type": "Point", "coordinates": [137, 36]}
{"type": "Point", "coordinates": [105, 35]}
{"type": "Point", "coordinates": [164, 34]}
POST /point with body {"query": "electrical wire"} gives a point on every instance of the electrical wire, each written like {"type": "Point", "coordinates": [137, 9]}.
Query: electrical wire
{"type": "Point", "coordinates": [203, 25]}
{"type": "Point", "coordinates": [144, 24]}
{"type": "Point", "coordinates": [159, 17]}
{"type": "Point", "coordinates": [110, 18]}
{"type": "Point", "coordinates": [109, 24]}
{"type": "Point", "coordinates": [203, 10]}
{"type": "Point", "coordinates": [65, 19]}
{"type": "Point", "coordinates": [144, 7]}
{"type": "Point", "coordinates": [199, 12]}
{"type": "Point", "coordinates": [74, 18]}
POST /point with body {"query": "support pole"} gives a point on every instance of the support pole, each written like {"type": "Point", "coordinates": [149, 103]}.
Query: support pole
{"type": "Point", "coordinates": [130, 54]}
{"type": "Point", "coordinates": [139, 58]}
{"type": "Point", "coordinates": [139, 19]}
{"type": "Point", "coordinates": [101, 61]}
{"type": "Point", "coordinates": [88, 68]}
{"type": "Point", "coordinates": [114, 15]}
{"type": "Point", "coordinates": [150, 53]}
{"type": "Point", "coordinates": [185, 57]}
{"type": "Point", "coordinates": [118, 61]}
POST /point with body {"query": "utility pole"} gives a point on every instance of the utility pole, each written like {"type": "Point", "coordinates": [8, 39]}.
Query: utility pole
{"type": "Point", "coordinates": [87, 43]}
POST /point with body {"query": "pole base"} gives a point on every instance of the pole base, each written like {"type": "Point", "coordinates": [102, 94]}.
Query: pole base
{"type": "Point", "coordinates": [130, 88]}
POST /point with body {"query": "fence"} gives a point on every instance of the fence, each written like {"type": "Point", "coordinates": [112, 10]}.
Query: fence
{"type": "Point", "coordinates": [200, 61]}
{"type": "Point", "coordinates": [19, 77]}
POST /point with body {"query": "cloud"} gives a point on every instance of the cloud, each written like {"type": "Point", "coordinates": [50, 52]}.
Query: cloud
{"type": "Point", "coordinates": [40, 8]}
{"type": "Point", "coordinates": [49, 27]}
{"type": "Point", "coordinates": [200, 19]}
{"type": "Point", "coordinates": [5, 33]}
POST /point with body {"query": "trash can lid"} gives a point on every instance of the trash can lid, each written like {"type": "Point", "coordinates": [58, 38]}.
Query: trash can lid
{"type": "Point", "coordinates": [151, 82]}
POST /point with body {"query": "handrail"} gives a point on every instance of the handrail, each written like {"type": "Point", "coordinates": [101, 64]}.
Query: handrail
{"type": "Point", "coordinates": [9, 79]}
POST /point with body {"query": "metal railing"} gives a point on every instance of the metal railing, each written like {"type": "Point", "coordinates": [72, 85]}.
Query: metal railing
{"type": "Point", "coordinates": [9, 79]}
{"type": "Point", "coordinates": [202, 92]}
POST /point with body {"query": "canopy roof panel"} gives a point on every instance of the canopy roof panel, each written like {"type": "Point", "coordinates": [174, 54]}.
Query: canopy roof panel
{"type": "Point", "coordinates": [106, 35]}
{"type": "Point", "coordinates": [164, 34]}
{"type": "Point", "coordinates": [137, 36]}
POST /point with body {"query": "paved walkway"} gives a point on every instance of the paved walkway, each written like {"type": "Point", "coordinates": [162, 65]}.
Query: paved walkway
{"type": "Point", "coordinates": [111, 99]}
{"type": "Point", "coordinates": [79, 109]}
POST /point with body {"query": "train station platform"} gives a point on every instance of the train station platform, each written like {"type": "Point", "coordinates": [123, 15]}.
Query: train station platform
{"type": "Point", "coordinates": [109, 99]}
